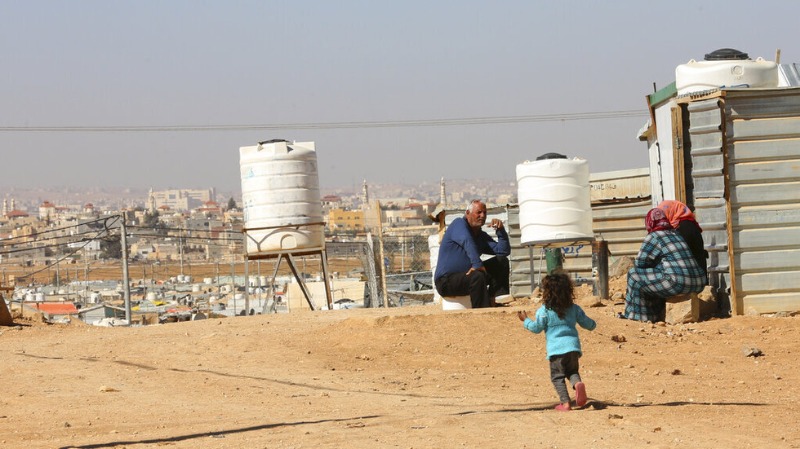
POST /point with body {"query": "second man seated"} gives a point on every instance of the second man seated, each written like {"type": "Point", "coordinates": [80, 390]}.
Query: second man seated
{"type": "Point", "coordinates": [460, 270]}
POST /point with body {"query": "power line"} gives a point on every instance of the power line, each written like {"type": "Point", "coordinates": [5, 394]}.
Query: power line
{"type": "Point", "coordinates": [598, 115]}
{"type": "Point", "coordinates": [39, 234]}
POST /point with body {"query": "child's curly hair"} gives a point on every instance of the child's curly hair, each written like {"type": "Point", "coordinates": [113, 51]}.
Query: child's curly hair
{"type": "Point", "coordinates": [558, 293]}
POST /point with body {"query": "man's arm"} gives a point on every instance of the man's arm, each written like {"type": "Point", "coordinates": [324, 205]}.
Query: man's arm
{"type": "Point", "coordinates": [501, 247]}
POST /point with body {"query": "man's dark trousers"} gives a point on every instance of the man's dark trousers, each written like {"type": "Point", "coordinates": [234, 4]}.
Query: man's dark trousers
{"type": "Point", "coordinates": [482, 287]}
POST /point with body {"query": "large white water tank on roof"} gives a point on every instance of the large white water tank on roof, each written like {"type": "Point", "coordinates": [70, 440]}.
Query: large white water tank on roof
{"type": "Point", "coordinates": [280, 196]}
{"type": "Point", "coordinates": [725, 67]}
{"type": "Point", "coordinates": [554, 201]}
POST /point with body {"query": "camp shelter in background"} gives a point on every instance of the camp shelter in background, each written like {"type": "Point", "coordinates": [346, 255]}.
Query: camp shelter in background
{"type": "Point", "coordinates": [732, 153]}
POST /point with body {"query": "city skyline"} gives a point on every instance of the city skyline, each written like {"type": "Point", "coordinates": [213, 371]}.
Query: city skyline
{"type": "Point", "coordinates": [427, 191]}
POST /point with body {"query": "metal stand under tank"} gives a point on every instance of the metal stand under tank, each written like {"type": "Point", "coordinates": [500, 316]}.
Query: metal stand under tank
{"type": "Point", "coordinates": [553, 254]}
{"type": "Point", "coordinates": [289, 256]}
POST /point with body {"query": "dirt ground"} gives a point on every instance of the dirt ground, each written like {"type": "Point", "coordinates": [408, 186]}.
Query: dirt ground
{"type": "Point", "coordinates": [412, 377]}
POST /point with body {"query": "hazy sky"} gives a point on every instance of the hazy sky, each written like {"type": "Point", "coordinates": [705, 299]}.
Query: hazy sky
{"type": "Point", "coordinates": [207, 64]}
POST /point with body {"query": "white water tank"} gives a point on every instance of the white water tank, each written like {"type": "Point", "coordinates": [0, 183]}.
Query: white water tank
{"type": "Point", "coordinates": [280, 196]}
{"type": "Point", "coordinates": [725, 67]}
{"type": "Point", "coordinates": [554, 201]}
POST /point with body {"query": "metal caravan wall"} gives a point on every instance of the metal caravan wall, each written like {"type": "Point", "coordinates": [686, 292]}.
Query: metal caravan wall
{"type": "Point", "coordinates": [754, 136]}
{"type": "Point", "coordinates": [705, 145]}
{"type": "Point", "coordinates": [762, 142]}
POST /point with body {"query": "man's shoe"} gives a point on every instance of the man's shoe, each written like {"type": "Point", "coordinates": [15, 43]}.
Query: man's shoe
{"type": "Point", "coordinates": [503, 299]}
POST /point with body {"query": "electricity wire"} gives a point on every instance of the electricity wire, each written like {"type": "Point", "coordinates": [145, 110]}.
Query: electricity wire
{"type": "Point", "coordinates": [596, 115]}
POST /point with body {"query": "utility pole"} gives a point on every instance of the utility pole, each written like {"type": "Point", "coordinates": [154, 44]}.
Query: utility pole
{"type": "Point", "coordinates": [126, 285]}
{"type": "Point", "coordinates": [246, 286]}
{"type": "Point", "coordinates": [383, 260]}
{"type": "Point", "coordinates": [403, 253]}
{"type": "Point", "coordinates": [233, 284]}
{"type": "Point", "coordinates": [86, 278]}
{"type": "Point", "coordinates": [180, 249]}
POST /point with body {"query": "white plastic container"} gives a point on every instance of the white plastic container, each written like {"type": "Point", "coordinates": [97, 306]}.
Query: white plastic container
{"type": "Point", "coordinates": [280, 190]}
{"type": "Point", "coordinates": [554, 202]}
{"type": "Point", "coordinates": [697, 76]}
{"type": "Point", "coordinates": [433, 249]}
{"type": "Point", "coordinates": [456, 302]}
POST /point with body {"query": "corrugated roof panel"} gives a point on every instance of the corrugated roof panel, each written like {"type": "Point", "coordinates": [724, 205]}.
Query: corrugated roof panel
{"type": "Point", "coordinates": [788, 75]}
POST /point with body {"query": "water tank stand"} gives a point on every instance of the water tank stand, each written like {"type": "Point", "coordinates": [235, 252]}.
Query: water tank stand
{"type": "Point", "coordinates": [289, 256]}
{"type": "Point", "coordinates": [556, 244]}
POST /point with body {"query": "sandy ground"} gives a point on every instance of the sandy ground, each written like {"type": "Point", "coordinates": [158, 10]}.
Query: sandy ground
{"type": "Point", "coordinates": [413, 377]}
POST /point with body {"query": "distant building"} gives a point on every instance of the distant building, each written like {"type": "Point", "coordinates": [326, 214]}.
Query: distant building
{"type": "Point", "coordinates": [180, 199]}
{"type": "Point", "coordinates": [209, 209]}
{"type": "Point", "coordinates": [346, 220]}
{"type": "Point", "coordinates": [47, 211]}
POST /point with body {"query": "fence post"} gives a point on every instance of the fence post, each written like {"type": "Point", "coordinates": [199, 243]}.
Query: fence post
{"type": "Point", "coordinates": [600, 268]}
{"type": "Point", "coordinates": [125, 281]}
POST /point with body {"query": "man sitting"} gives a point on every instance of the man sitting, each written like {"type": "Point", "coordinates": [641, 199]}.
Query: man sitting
{"type": "Point", "coordinates": [460, 271]}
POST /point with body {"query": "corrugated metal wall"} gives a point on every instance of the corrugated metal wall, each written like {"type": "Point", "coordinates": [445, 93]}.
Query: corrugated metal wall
{"type": "Point", "coordinates": [705, 148]}
{"type": "Point", "coordinates": [762, 140]}
{"type": "Point", "coordinates": [754, 135]}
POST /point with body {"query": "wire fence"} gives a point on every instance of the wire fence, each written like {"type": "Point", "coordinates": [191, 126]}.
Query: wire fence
{"type": "Point", "coordinates": [69, 259]}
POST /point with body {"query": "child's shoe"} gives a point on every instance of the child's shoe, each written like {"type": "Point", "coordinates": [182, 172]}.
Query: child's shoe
{"type": "Point", "coordinates": [563, 407]}
{"type": "Point", "coordinates": [580, 394]}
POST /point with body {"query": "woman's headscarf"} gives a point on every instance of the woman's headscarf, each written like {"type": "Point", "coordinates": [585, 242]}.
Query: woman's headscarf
{"type": "Point", "coordinates": [656, 220]}
{"type": "Point", "coordinates": [677, 212]}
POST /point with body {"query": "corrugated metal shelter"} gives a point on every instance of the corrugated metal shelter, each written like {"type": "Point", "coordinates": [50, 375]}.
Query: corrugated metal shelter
{"type": "Point", "coordinates": [620, 200]}
{"type": "Point", "coordinates": [734, 155]}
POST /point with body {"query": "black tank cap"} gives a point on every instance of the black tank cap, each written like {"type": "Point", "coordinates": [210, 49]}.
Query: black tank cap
{"type": "Point", "coordinates": [550, 156]}
{"type": "Point", "coordinates": [725, 54]}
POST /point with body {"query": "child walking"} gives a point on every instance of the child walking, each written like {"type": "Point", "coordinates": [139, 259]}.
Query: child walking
{"type": "Point", "coordinates": [557, 318]}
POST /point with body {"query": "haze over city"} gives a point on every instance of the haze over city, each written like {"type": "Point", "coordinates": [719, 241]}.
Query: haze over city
{"type": "Point", "coordinates": [162, 94]}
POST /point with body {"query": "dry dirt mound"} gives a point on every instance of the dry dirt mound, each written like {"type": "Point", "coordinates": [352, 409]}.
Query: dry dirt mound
{"type": "Point", "coordinates": [403, 377]}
